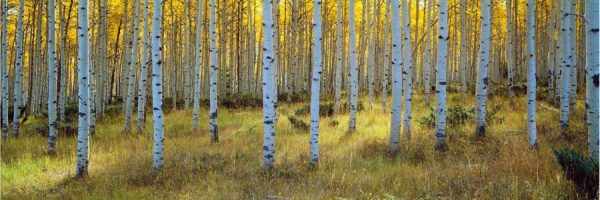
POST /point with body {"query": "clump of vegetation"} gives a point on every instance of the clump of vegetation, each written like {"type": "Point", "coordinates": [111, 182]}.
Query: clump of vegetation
{"type": "Point", "coordinates": [333, 123]}
{"type": "Point", "coordinates": [457, 115]}
{"type": "Point", "coordinates": [303, 96]}
{"type": "Point", "coordinates": [325, 110]}
{"type": "Point", "coordinates": [298, 123]}
{"type": "Point", "coordinates": [580, 169]}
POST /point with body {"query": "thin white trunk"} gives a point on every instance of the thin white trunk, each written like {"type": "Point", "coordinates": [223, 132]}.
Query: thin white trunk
{"type": "Point", "coordinates": [338, 58]}
{"type": "Point", "coordinates": [267, 88]}
{"type": "Point", "coordinates": [440, 87]}
{"type": "Point", "coordinates": [463, 49]}
{"type": "Point", "coordinates": [572, 4]}
{"type": "Point", "coordinates": [316, 83]}
{"type": "Point", "coordinates": [133, 62]}
{"type": "Point", "coordinates": [18, 70]}
{"type": "Point", "coordinates": [353, 69]}
{"type": "Point", "coordinates": [531, 80]}
{"type": "Point", "coordinates": [371, 57]}
{"type": "Point", "coordinates": [84, 87]}
{"type": "Point", "coordinates": [157, 90]}
{"type": "Point", "coordinates": [510, 48]}
{"type": "Point", "coordinates": [566, 68]}
{"type": "Point", "coordinates": [396, 78]}
{"type": "Point", "coordinates": [408, 68]}
{"type": "Point", "coordinates": [142, 85]}
{"type": "Point", "coordinates": [198, 64]}
{"type": "Point", "coordinates": [482, 72]}
{"type": "Point", "coordinates": [214, 70]}
{"type": "Point", "coordinates": [427, 84]}
{"type": "Point", "coordinates": [386, 53]}
{"type": "Point", "coordinates": [4, 67]}
{"type": "Point", "coordinates": [592, 65]}
{"type": "Point", "coordinates": [52, 74]}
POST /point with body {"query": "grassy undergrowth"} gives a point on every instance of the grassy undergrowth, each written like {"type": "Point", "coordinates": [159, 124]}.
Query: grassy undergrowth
{"type": "Point", "coordinates": [353, 166]}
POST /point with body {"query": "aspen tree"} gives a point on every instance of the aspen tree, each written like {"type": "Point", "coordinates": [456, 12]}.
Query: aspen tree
{"type": "Point", "coordinates": [214, 70]}
{"type": "Point", "coordinates": [440, 87]}
{"type": "Point", "coordinates": [482, 70]}
{"type": "Point", "coordinates": [52, 74]}
{"type": "Point", "coordinates": [592, 65]}
{"type": "Point", "coordinates": [133, 63]}
{"type": "Point", "coordinates": [18, 70]}
{"type": "Point", "coordinates": [531, 80]}
{"type": "Point", "coordinates": [316, 83]}
{"type": "Point", "coordinates": [396, 79]}
{"type": "Point", "coordinates": [408, 68]}
{"type": "Point", "coordinates": [142, 85]}
{"type": "Point", "coordinates": [353, 70]}
{"type": "Point", "coordinates": [268, 84]}
{"type": "Point", "coordinates": [157, 91]}
{"type": "Point", "coordinates": [198, 64]}
{"type": "Point", "coordinates": [4, 74]}
{"type": "Point", "coordinates": [83, 58]}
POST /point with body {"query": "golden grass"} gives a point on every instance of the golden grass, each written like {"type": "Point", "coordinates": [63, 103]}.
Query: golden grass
{"type": "Point", "coordinates": [353, 166]}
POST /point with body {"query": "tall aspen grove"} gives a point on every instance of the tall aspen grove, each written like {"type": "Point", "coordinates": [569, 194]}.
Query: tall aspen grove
{"type": "Point", "coordinates": [299, 99]}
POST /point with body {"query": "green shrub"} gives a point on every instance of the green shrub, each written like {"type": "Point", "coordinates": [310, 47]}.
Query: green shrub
{"type": "Point", "coordinates": [580, 169]}
{"type": "Point", "coordinates": [298, 123]}
{"type": "Point", "coordinates": [458, 115]}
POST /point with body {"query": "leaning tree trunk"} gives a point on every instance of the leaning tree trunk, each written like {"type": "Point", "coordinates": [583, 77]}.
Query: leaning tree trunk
{"type": "Point", "coordinates": [592, 65]}
{"type": "Point", "coordinates": [18, 70]}
{"type": "Point", "coordinates": [440, 87]}
{"type": "Point", "coordinates": [214, 70]}
{"type": "Point", "coordinates": [408, 69]}
{"type": "Point", "coordinates": [396, 78]}
{"type": "Point", "coordinates": [198, 65]}
{"type": "Point", "coordinates": [52, 74]}
{"type": "Point", "coordinates": [4, 67]}
{"type": "Point", "coordinates": [531, 80]}
{"type": "Point", "coordinates": [316, 83]}
{"type": "Point", "coordinates": [482, 72]}
{"type": "Point", "coordinates": [133, 62]}
{"type": "Point", "coordinates": [157, 91]}
{"type": "Point", "coordinates": [142, 86]}
{"type": "Point", "coordinates": [268, 84]}
{"type": "Point", "coordinates": [353, 69]}
{"type": "Point", "coordinates": [84, 88]}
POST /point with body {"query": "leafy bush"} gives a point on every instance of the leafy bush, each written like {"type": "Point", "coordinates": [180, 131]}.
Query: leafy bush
{"type": "Point", "coordinates": [327, 110]}
{"type": "Point", "coordinates": [581, 169]}
{"type": "Point", "coordinates": [298, 123]}
{"type": "Point", "coordinates": [457, 115]}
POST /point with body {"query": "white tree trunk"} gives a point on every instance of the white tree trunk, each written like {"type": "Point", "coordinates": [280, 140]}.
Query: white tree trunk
{"type": "Point", "coordinates": [4, 67]}
{"type": "Point", "coordinates": [440, 87]}
{"type": "Point", "coordinates": [592, 65]}
{"type": "Point", "coordinates": [510, 48]}
{"type": "Point", "coordinates": [157, 90]}
{"type": "Point", "coordinates": [316, 83]}
{"type": "Point", "coordinates": [142, 85]}
{"type": "Point", "coordinates": [338, 58]}
{"type": "Point", "coordinates": [198, 64]}
{"type": "Point", "coordinates": [566, 68]}
{"type": "Point", "coordinates": [268, 84]}
{"type": "Point", "coordinates": [482, 72]}
{"type": "Point", "coordinates": [133, 63]}
{"type": "Point", "coordinates": [18, 70]}
{"type": "Point", "coordinates": [353, 69]}
{"type": "Point", "coordinates": [396, 78]}
{"type": "Point", "coordinates": [463, 49]}
{"type": "Point", "coordinates": [386, 57]}
{"type": "Point", "coordinates": [572, 9]}
{"type": "Point", "coordinates": [371, 56]}
{"type": "Point", "coordinates": [531, 80]}
{"type": "Point", "coordinates": [52, 73]}
{"type": "Point", "coordinates": [214, 70]}
{"type": "Point", "coordinates": [408, 68]}
{"type": "Point", "coordinates": [428, 57]}
{"type": "Point", "coordinates": [84, 87]}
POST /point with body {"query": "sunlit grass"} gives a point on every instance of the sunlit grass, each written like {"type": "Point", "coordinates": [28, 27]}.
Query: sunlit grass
{"type": "Point", "coordinates": [352, 165]}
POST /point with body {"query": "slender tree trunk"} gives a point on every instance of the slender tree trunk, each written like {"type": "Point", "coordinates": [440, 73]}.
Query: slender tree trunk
{"type": "Point", "coordinates": [427, 84]}
{"type": "Point", "coordinates": [440, 87]}
{"type": "Point", "coordinates": [566, 68]}
{"type": "Point", "coordinates": [141, 121]}
{"type": "Point", "coordinates": [386, 53]}
{"type": "Point", "coordinates": [531, 80]}
{"type": "Point", "coordinates": [338, 58]}
{"type": "Point", "coordinates": [371, 56]}
{"type": "Point", "coordinates": [52, 73]}
{"type": "Point", "coordinates": [482, 72]}
{"type": "Point", "coordinates": [396, 78]}
{"type": "Point", "coordinates": [199, 25]}
{"type": "Point", "coordinates": [4, 67]}
{"type": "Point", "coordinates": [83, 135]}
{"type": "Point", "coordinates": [214, 70]}
{"type": "Point", "coordinates": [510, 48]}
{"type": "Point", "coordinates": [316, 83]}
{"type": "Point", "coordinates": [592, 65]}
{"type": "Point", "coordinates": [133, 63]}
{"type": "Point", "coordinates": [353, 70]}
{"type": "Point", "coordinates": [408, 68]}
{"type": "Point", "coordinates": [463, 49]}
{"type": "Point", "coordinates": [18, 70]}
{"type": "Point", "coordinates": [268, 84]}
{"type": "Point", "coordinates": [157, 98]}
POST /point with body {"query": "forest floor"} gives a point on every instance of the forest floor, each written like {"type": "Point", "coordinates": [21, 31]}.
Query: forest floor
{"type": "Point", "coordinates": [352, 165]}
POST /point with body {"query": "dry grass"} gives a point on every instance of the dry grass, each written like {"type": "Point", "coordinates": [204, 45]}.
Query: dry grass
{"type": "Point", "coordinates": [352, 166]}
